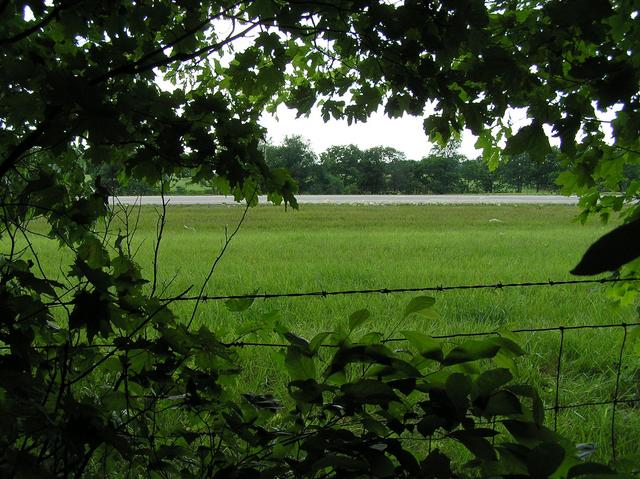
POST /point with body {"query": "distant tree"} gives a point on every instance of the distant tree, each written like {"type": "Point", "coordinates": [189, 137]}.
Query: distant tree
{"type": "Point", "coordinates": [525, 171]}
{"type": "Point", "coordinates": [401, 176]}
{"type": "Point", "coordinates": [476, 176]}
{"type": "Point", "coordinates": [373, 168]}
{"type": "Point", "coordinates": [342, 161]}
{"type": "Point", "coordinates": [323, 181]}
{"type": "Point", "coordinates": [440, 171]}
{"type": "Point", "coordinates": [631, 173]}
{"type": "Point", "coordinates": [516, 171]}
{"type": "Point", "coordinates": [439, 174]}
{"type": "Point", "coordinates": [544, 173]}
{"type": "Point", "coordinates": [294, 154]}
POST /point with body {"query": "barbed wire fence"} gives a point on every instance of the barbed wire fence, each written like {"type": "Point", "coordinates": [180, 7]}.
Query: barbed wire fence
{"type": "Point", "coordinates": [557, 406]}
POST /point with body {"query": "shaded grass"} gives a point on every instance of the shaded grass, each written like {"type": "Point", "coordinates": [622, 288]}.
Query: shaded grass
{"type": "Point", "coordinates": [355, 247]}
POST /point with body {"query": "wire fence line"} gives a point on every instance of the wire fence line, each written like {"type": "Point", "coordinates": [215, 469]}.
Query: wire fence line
{"type": "Point", "coordinates": [425, 289]}
{"type": "Point", "coordinates": [257, 344]}
{"type": "Point", "coordinates": [557, 406]}
{"type": "Point", "coordinates": [242, 344]}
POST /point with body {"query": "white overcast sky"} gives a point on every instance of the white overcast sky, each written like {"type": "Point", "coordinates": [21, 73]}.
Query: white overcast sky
{"type": "Point", "coordinates": [405, 134]}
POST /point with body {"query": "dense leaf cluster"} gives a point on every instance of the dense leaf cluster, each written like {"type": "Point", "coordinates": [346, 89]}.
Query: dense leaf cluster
{"type": "Point", "coordinates": [97, 374]}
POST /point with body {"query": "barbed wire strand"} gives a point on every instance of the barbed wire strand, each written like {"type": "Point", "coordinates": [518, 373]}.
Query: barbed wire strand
{"type": "Point", "coordinates": [242, 344]}
{"type": "Point", "coordinates": [247, 344]}
{"type": "Point", "coordinates": [426, 289]}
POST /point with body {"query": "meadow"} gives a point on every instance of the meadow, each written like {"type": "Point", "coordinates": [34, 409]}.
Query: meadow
{"type": "Point", "coordinates": [358, 247]}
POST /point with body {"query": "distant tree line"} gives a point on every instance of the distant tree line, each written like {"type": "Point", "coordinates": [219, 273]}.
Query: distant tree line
{"type": "Point", "coordinates": [347, 169]}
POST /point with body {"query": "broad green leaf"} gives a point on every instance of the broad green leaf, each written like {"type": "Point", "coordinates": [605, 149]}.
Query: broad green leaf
{"type": "Point", "coordinates": [507, 346]}
{"type": "Point", "coordinates": [299, 365]}
{"type": "Point", "coordinates": [93, 253]}
{"type": "Point", "coordinates": [371, 338]}
{"type": "Point", "coordinates": [419, 304]}
{"type": "Point", "coordinates": [428, 347]}
{"type": "Point", "coordinates": [239, 305]}
{"type": "Point", "coordinates": [471, 351]}
{"type": "Point", "coordinates": [317, 341]}
{"type": "Point", "coordinates": [358, 318]}
{"type": "Point", "coordinates": [503, 403]}
{"type": "Point", "coordinates": [490, 380]}
{"type": "Point", "coordinates": [297, 341]}
{"type": "Point", "coordinates": [374, 426]}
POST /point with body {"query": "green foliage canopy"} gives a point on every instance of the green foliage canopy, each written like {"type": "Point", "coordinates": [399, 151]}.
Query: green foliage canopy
{"type": "Point", "coordinates": [83, 74]}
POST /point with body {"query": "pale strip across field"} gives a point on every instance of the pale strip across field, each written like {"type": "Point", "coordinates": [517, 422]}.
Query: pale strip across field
{"type": "Point", "coordinates": [365, 199]}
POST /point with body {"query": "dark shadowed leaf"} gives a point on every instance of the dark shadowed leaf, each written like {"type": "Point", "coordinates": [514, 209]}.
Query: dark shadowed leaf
{"type": "Point", "coordinates": [529, 139]}
{"type": "Point", "coordinates": [503, 403]}
{"type": "Point", "coordinates": [369, 391]}
{"type": "Point", "coordinates": [611, 251]}
{"type": "Point", "coordinates": [458, 388]}
{"type": "Point", "coordinates": [479, 446]}
{"type": "Point", "coordinates": [429, 424]}
{"type": "Point", "coordinates": [374, 353]}
{"type": "Point", "coordinates": [436, 466]}
{"type": "Point", "coordinates": [590, 469]}
{"type": "Point", "coordinates": [537, 404]}
{"type": "Point", "coordinates": [544, 459]}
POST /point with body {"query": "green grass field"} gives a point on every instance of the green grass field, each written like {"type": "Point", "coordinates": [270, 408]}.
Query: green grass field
{"type": "Point", "coordinates": [355, 247]}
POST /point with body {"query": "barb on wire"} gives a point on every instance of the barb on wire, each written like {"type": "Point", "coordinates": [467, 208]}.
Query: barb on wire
{"type": "Point", "coordinates": [426, 289]}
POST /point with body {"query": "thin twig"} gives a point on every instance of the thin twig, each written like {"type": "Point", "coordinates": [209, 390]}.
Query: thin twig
{"type": "Point", "coordinates": [227, 242]}
{"type": "Point", "coordinates": [162, 218]}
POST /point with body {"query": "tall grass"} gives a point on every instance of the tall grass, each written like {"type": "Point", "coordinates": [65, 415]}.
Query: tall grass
{"type": "Point", "coordinates": [353, 247]}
